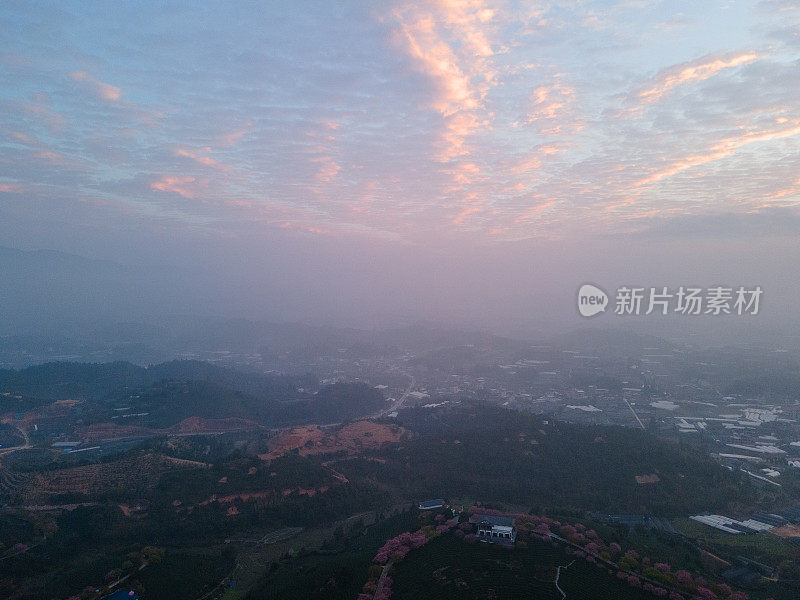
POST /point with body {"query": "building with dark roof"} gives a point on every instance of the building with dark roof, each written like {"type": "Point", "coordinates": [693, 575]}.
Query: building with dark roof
{"type": "Point", "coordinates": [431, 504]}
{"type": "Point", "coordinates": [495, 529]}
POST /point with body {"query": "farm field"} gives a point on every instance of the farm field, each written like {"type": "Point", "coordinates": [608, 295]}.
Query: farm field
{"type": "Point", "coordinates": [763, 547]}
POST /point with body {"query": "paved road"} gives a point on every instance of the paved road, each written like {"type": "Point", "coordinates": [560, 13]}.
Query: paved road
{"type": "Point", "coordinates": [399, 403]}
{"type": "Point", "coordinates": [634, 413]}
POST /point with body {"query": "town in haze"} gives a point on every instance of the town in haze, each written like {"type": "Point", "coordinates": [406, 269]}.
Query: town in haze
{"type": "Point", "coordinates": [400, 300]}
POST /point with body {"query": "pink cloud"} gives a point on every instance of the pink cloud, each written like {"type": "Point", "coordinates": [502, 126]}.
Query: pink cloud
{"type": "Point", "coordinates": [448, 42]}
{"type": "Point", "coordinates": [719, 150]}
{"type": "Point", "coordinates": [178, 184]}
{"type": "Point", "coordinates": [105, 91]}
{"type": "Point", "coordinates": [24, 138]}
{"type": "Point", "coordinates": [535, 210]}
{"type": "Point", "coordinates": [322, 155]}
{"type": "Point", "coordinates": [685, 73]}
{"type": "Point", "coordinates": [792, 190]}
{"type": "Point", "coordinates": [328, 168]}
{"type": "Point", "coordinates": [554, 109]}
{"type": "Point", "coordinates": [52, 119]}
{"type": "Point", "coordinates": [53, 157]}
{"type": "Point", "coordinates": [203, 160]}
{"type": "Point", "coordinates": [10, 188]}
{"type": "Point", "coordinates": [469, 205]}
{"type": "Point", "coordinates": [108, 91]}
{"type": "Point", "coordinates": [232, 138]}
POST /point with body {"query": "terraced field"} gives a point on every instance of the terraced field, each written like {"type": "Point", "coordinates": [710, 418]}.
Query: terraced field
{"type": "Point", "coordinates": [13, 485]}
{"type": "Point", "coordinates": [10, 436]}
{"type": "Point", "coordinates": [450, 568]}
{"type": "Point", "coordinates": [133, 473]}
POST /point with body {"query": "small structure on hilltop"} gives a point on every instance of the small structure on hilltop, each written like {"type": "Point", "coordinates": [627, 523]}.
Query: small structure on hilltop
{"type": "Point", "coordinates": [431, 504]}
{"type": "Point", "coordinates": [495, 529]}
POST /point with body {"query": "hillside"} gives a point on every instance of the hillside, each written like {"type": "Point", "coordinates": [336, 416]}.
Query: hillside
{"type": "Point", "coordinates": [93, 381]}
{"type": "Point", "coordinates": [168, 393]}
{"type": "Point", "coordinates": [448, 567]}
{"type": "Point", "coordinates": [477, 451]}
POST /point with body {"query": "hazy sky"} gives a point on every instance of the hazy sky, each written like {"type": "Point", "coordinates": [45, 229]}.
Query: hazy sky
{"type": "Point", "coordinates": [429, 153]}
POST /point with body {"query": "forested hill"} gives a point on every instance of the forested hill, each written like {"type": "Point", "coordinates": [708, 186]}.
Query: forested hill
{"type": "Point", "coordinates": [479, 451]}
{"type": "Point", "coordinates": [173, 391]}
{"type": "Point", "coordinates": [57, 380]}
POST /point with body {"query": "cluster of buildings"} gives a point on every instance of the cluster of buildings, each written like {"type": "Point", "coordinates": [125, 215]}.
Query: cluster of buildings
{"type": "Point", "coordinates": [752, 525]}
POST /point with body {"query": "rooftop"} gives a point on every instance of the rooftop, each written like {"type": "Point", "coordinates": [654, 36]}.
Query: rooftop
{"type": "Point", "coordinates": [492, 520]}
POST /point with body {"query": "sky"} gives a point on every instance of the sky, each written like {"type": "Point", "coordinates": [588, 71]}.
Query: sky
{"type": "Point", "coordinates": [464, 160]}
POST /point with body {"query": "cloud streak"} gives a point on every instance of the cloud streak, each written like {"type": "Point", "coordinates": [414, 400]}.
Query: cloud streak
{"type": "Point", "coordinates": [452, 119]}
{"type": "Point", "coordinates": [689, 72]}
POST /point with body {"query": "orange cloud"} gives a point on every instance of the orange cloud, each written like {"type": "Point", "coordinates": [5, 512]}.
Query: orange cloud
{"type": "Point", "coordinates": [105, 91]}
{"type": "Point", "coordinates": [448, 42]}
{"type": "Point", "coordinates": [328, 168]}
{"type": "Point", "coordinates": [322, 155]}
{"type": "Point", "coordinates": [554, 109]}
{"type": "Point", "coordinates": [535, 211]}
{"type": "Point", "coordinates": [472, 204]}
{"type": "Point", "coordinates": [10, 188]}
{"type": "Point", "coordinates": [792, 190]}
{"type": "Point", "coordinates": [457, 128]}
{"type": "Point", "coordinates": [53, 157]}
{"type": "Point", "coordinates": [434, 57]}
{"type": "Point", "coordinates": [203, 160]}
{"type": "Point", "coordinates": [232, 138]}
{"type": "Point", "coordinates": [690, 72]}
{"type": "Point", "coordinates": [721, 149]}
{"type": "Point", "coordinates": [177, 184]}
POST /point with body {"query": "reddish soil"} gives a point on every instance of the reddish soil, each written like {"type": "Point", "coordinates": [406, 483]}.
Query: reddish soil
{"type": "Point", "coordinates": [351, 438]}
{"type": "Point", "coordinates": [786, 531]}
